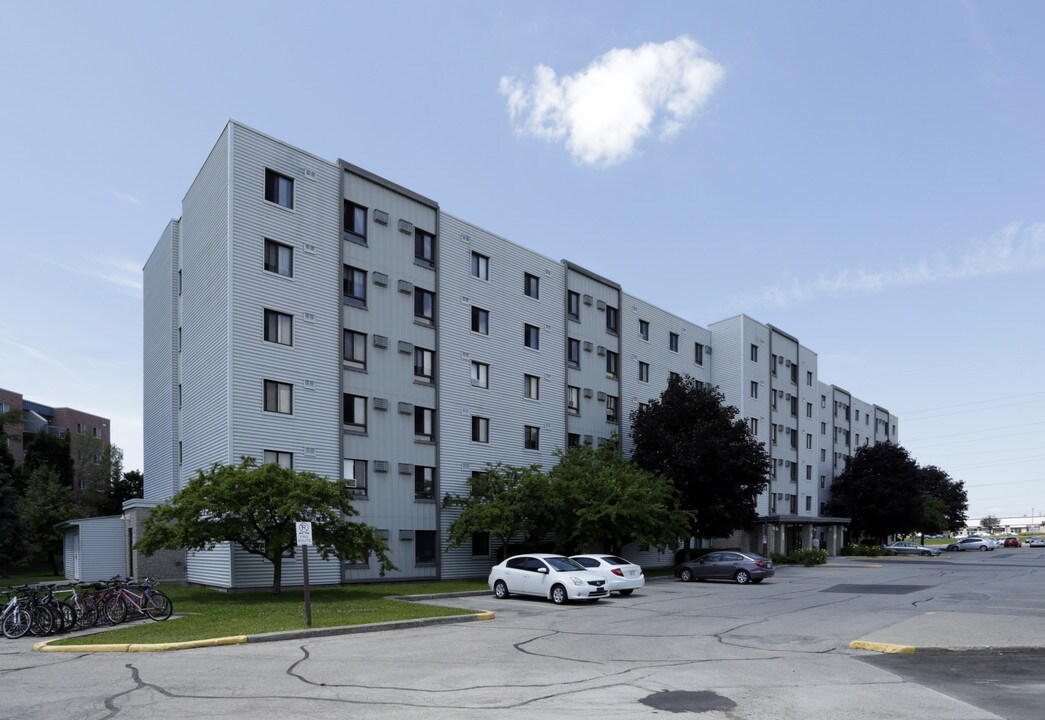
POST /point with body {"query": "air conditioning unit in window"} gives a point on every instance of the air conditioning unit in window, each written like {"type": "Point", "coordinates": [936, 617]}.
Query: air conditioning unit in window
{"type": "Point", "coordinates": [350, 482]}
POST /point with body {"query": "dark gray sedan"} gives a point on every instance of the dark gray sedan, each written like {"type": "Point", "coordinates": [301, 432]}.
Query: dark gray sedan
{"type": "Point", "coordinates": [740, 567]}
{"type": "Point", "coordinates": [907, 547]}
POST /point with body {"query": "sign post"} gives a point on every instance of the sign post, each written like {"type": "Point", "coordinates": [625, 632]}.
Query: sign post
{"type": "Point", "coordinates": [304, 530]}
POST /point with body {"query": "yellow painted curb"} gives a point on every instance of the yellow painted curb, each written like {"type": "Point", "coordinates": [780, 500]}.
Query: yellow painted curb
{"type": "Point", "coordinates": [881, 647]}
{"type": "Point", "coordinates": [484, 616]}
{"type": "Point", "coordinates": [141, 647]}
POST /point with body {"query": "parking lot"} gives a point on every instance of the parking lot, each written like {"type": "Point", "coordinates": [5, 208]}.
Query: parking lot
{"type": "Point", "coordinates": [776, 650]}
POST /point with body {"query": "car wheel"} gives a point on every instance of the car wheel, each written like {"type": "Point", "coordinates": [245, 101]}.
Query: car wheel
{"type": "Point", "coordinates": [686, 575]}
{"type": "Point", "coordinates": [626, 593]}
{"type": "Point", "coordinates": [743, 577]}
{"type": "Point", "coordinates": [925, 553]}
{"type": "Point", "coordinates": [559, 596]}
{"type": "Point", "coordinates": [500, 590]}
{"type": "Point", "coordinates": [756, 581]}
{"type": "Point", "coordinates": [983, 548]}
{"type": "Point", "coordinates": [952, 548]}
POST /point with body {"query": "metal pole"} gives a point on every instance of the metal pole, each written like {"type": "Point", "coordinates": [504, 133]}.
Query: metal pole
{"type": "Point", "coordinates": [308, 600]}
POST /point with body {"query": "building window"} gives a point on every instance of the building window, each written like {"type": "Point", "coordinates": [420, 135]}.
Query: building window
{"type": "Point", "coordinates": [424, 305]}
{"type": "Point", "coordinates": [81, 429]}
{"type": "Point", "coordinates": [480, 266]}
{"type": "Point", "coordinates": [279, 258]}
{"type": "Point", "coordinates": [283, 459]}
{"type": "Point", "coordinates": [823, 481]}
{"type": "Point", "coordinates": [480, 321]}
{"type": "Point", "coordinates": [809, 503]}
{"type": "Point", "coordinates": [355, 412]}
{"type": "Point", "coordinates": [698, 353]}
{"type": "Point", "coordinates": [612, 319]}
{"type": "Point", "coordinates": [424, 547]}
{"type": "Point", "coordinates": [279, 328]}
{"type": "Point", "coordinates": [573, 352]}
{"type": "Point", "coordinates": [354, 349]}
{"type": "Point", "coordinates": [754, 426]}
{"type": "Point", "coordinates": [532, 439]}
{"type": "Point", "coordinates": [180, 342]}
{"type": "Point", "coordinates": [809, 378]}
{"type": "Point", "coordinates": [643, 372]}
{"type": "Point", "coordinates": [354, 286]}
{"type": "Point", "coordinates": [823, 428]}
{"type": "Point", "coordinates": [424, 422]}
{"type": "Point", "coordinates": [531, 285]}
{"type": "Point", "coordinates": [573, 305]}
{"type": "Point", "coordinates": [644, 330]}
{"type": "Point", "coordinates": [532, 337]}
{"type": "Point", "coordinates": [481, 543]}
{"type": "Point", "coordinates": [480, 429]}
{"type": "Point", "coordinates": [612, 364]}
{"type": "Point", "coordinates": [573, 400]}
{"type": "Point", "coordinates": [856, 417]}
{"type": "Point", "coordinates": [179, 396]}
{"type": "Point", "coordinates": [480, 374]}
{"type": "Point", "coordinates": [823, 455]}
{"type": "Point", "coordinates": [424, 248]}
{"type": "Point", "coordinates": [532, 387]}
{"type": "Point", "coordinates": [355, 222]}
{"type": "Point", "coordinates": [809, 409]}
{"type": "Point", "coordinates": [279, 397]}
{"type": "Point", "coordinates": [823, 401]}
{"type": "Point", "coordinates": [181, 283]}
{"type": "Point", "coordinates": [424, 364]}
{"type": "Point", "coordinates": [754, 353]}
{"type": "Point", "coordinates": [424, 482]}
{"type": "Point", "coordinates": [279, 188]}
{"type": "Point", "coordinates": [772, 433]}
{"type": "Point", "coordinates": [673, 376]}
{"type": "Point", "coordinates": [794, 406]}
{"type": "Point", "coordinates": [355, 475]}
{"type": "Point", "coordinates": [754, 389]}
{"type": "Point", "coordinates": [573, 440]}
{"type": "Point", "coordinates": [611, 408]}
{"type": "Point", "coordinates": [673, 342]}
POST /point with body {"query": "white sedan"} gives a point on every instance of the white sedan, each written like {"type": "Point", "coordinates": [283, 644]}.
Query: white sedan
{"type": "Point", "coordinates": [552, 576]}
{"type": "Point", "coordinates": [622, 576]}
{"type": "Point", "coordinates": [1035, 542]}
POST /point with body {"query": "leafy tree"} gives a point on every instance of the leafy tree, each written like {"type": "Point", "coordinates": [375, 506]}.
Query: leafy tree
{"type": "Point", "coordinates": [990, 523]}
{"type": "Point", "coordinates": [48, 501]}
{"type": "Point", "coordinates": [12, 542]}
{"type": "Point", "coordinates": [690, 437]}
{"type": "Point", "coordinates": [130, 485]}
{"type": "Point", "coordinates": [116, 488]}
{"type": "Point", "coordinates": [507, 502]}
{"type": "Point", "coordinates": [89, 475]}
{"type": "Point", "coordinates": [944, 501]}
{"type": "Point", "coordinates": [881, 490]}
{"type": "Point", "coordinates": [257, 507]}
{"type": "Point", "coordinates": [603, 499]}
{"type": "Point", "coordinates": [47, 450]}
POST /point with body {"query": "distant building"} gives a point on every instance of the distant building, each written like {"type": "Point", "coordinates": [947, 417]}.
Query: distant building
{"type": "Point", "coordinates": [317, 315]}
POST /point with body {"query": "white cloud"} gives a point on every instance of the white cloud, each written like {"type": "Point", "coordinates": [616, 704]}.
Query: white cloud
{"type": "Point", "coordinates": [122, 273]}
{"type": "Point", "coordinates": [601, 113]}
{"type": "Point", "coordinates": [1014, 248]}
{"type": "Point", "coordinates": [126, 197]}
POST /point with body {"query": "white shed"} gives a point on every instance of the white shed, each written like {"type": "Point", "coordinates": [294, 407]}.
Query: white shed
{"type": "Point", "coordinates": [93, 547]}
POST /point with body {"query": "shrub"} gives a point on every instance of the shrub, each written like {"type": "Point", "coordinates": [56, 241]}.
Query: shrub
{"type": "Point", "coordinates": [866, 551]}
{"type": "Point", "coordinates": [803, 556]}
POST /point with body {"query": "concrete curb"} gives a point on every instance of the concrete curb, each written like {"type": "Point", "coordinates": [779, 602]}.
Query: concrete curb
{"type": "Point", "coordinates": [881, 647]}
{"type": "Point", "coordinates": [140, 647]}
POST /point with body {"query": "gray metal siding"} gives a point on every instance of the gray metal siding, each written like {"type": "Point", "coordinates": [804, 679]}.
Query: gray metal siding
{"type": "Point", "coordinates": [210, 567]}
{"type": "Point", "coordinates": [102, 548]}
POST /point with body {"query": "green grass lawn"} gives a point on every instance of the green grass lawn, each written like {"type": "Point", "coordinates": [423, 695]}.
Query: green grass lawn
{"type": "Point", "coordinates": [212, 613]}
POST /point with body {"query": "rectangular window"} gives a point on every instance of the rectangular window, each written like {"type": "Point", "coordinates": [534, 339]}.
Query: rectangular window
{"type": "Point", "coordinates": [794, 406]}
{"type": "Point", "coordinates": [698, 353]}
{"type": "Point", "coordinates": [532, 387]}
{"type": "Point", "coordinates": [480, 266]}
{"type": "Point", "coordinates": [279, 328]}
{"type": "Point", "coordinates": [480, 374]}
{"type": "Point", "coordinates": [424, 422]}
{"type": "Point", "coordinates": [424, 482]}
{"type": "Point", "coordinates": [279, 188]}
{"type": "Point", "coordinates": [611, 408]}
{"type": "Point", "coordinates": [279, 258]}
{"type": "Point", "coordinates": [481, 543]}
{"type": "Point", "coordinates": [573, 440]}
{"type": "Point", "coordinates": [857, 416]}
{"type": "Point", "coordinates": [772, 364]}
{"type": "Point", "coordinates": [279, 397]}
{"type": "Point", "coordinates": [573, 400]}
{"type": "Point", "coordinates": [643, 372]}
{"type": "Point", "coordinates": [809, 441]}
{"type": "Point", "coordinates": [644, 330]}
{"type": "Point", "coordinates": [354, 286]}
{"type": "Point", "coordinates": [480, 429]}
{"type": "Point", "coordinates": [573, 352]}
{"type": "Point", "coordinates": [772, 433]}
{"type": "Point", "coordinates": [283, 459]}
{"type": "Point", "coordinates": [823, 401]}
{"type": "Point", "coordinates": [754, 389]}
{"type": "Point", "coordinates": [809, 409]}
{"type": "Point", "coordinates": [355, 222]}
{"type": "Point", "coordinates": [672, 376]}
{"type": "Point", "coordinates": [754, 426]}
{"type": "Point", "coordinates": [355, 475]}
{"type": "Point", "coordinates": [612, 364]}
{"type": "Point", "coordinates": [480, 321]}
{"type": "Point", "coordinates": [424, 305]}
{"type": "Point", "coordinates": [809, 502]}
{"type": "Point", "coordinates": [424, 547]}
{"type": "Point", "coordinates": [573, 305]}
{"type": "Point", "coordinates": [424, 364]}
{"type": "Point", "coordinates": [823, 428]}
{"type": "Point", "coordinates": [532, 439]}
{"type": "Point", "coordinates": [794, 373]}
{"type": "Point", "coordinates": [823, 455]}
{"type": "Point", "coordinates": [355, 412]}
{"type": "Point", "coordinates": [424, 248]}
{"type": "Point", "coordinates": [809, 378]}
{"type": "Point", "coordinates": [754, 353]}
{"type": "Point", "coordinates": [532, 337]}
{"type": "Point", "coordinates": [823, 481]}
{"type": "Point", "coordinates": [531, 285]}
{"type": "Point", "coordinates": [612, 319]}
{"type": "Point", "coordinates": [80, 428]}
{"type": "Point", "coordinates": [354, 349]}
{"type": "Point", "coordinates": [673, 342]}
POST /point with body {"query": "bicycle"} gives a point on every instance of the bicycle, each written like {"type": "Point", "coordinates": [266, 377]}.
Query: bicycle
{"type": "Point", "coordinates": [15, 620]}
{"type": "Point", "coordinates": [149, 601]}
{"type": "Point", "coordinates": [64, 615]}
{"type": "Point", "coordinates": [85, 609]}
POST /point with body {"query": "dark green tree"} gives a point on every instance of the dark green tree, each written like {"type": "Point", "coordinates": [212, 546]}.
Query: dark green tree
{"type": "Point", "coordinates": [691, 437]}
{"type": "Point", "coordinates": [603, 501]}
{"type": "Point", "coordinates": [47, 450]}
{"type": "Point", "coordinates": [990, 523]}
{"type": "Point", "coordinates": [115, 487]}
{"type": "Point", "coordinates": [881, 490]}
{"type": "Point", "coordinates": [944, 502]}
{"type": "Point", "coordinates": [48, 501]}
{"type": "Point", "coordinates": [505, 501]}
{"type": "Point", "coordinates": [12, 540]}
{"type": "Point", "coordinates": [257, 508]}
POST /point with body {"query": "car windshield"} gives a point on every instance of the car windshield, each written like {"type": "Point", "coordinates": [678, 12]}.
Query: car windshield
{"type": "Point", "coordinates": [563, 564]}
{"type": "Point", "coordinates": [614, 560]}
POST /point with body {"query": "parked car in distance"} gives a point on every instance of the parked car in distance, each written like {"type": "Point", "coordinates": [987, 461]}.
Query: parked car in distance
{"type": "Point", "coordinates": [622, 576]}
{"type": "Point", "coordinates": [971, 543]}
{"type": "Point", "coordinates": [905, 547]}
{"type": "Point", "coordinates": [545, 575]}
{"type": "Point", "coordinates": [1011, 542]}
{"type": "Point", "coordinates": [1035, 542]}
{"type": "Point", "coordinates": [740, 567]}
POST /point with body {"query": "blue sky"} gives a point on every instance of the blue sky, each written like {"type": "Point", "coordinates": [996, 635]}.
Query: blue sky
{"type": "Point", "coordinates": [866, 176]}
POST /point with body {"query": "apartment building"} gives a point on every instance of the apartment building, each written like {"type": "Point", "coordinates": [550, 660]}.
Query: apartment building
{"type": "Point", "coordinates": [314, 314]}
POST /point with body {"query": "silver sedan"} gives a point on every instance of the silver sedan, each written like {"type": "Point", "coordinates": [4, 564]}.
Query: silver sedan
{"type": "Point", "coordinates": [912, 548]}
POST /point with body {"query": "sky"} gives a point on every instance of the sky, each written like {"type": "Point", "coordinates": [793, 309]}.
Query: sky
{"type": "Point", "coordinates": [866, 176]}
